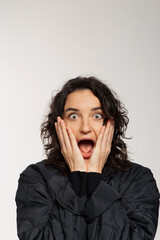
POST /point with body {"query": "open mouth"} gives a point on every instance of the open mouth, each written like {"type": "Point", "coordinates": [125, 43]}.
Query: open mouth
{"type": "Point", "coordinates": [86, 147]}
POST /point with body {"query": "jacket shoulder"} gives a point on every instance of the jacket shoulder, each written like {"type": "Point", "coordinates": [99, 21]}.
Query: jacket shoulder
{"type": "Point", "coordinates": [139, 179]}
{"type": "Point", "coordinates": [135, 165]}
{"type": "Point", "coordinates": [40, 171]}
{"type": "Point", "coordinates": [139, 170]}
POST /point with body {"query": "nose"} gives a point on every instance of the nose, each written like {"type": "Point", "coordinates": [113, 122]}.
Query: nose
{"type": "Point", "coordinates": [85, 126]}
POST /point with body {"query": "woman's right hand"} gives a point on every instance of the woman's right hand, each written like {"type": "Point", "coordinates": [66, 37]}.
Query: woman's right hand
{"type": "Point", "coordinates": [69, 147]}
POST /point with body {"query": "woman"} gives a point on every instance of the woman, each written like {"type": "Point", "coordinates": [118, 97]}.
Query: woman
{"type": "Point", "coordinates": [86, 188]}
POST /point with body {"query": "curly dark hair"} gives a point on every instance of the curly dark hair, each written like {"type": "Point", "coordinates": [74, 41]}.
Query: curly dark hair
{"type": "Point", "coordinates": [112, 109]}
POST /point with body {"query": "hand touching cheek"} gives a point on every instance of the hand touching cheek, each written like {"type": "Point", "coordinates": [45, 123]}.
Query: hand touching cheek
{"type": "Point", "coordinates": [102, 148]}
{"type": "Point", "coordinates": [69, 147]}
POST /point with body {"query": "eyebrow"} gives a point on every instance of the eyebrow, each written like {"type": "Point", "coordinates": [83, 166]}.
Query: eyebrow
{"type": "Point", "coordinates": [77, 110]}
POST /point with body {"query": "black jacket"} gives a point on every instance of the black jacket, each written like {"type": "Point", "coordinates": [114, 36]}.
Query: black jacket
{"type": "Point", "coordinates": [124, 206]}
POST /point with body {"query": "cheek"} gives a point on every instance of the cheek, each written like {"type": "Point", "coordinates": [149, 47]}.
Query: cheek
{"type": "Point", "coordinates": [72, 126]}
{"type": "Point", "coordinates": [97, 128]}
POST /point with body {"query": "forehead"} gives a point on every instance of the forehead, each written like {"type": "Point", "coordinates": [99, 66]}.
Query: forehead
{"type": "Point", "coordinates": [82, 99]}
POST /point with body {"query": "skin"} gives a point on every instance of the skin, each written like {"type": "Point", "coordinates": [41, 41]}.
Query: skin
{"type": "Point", "coordinates": [83, 119]}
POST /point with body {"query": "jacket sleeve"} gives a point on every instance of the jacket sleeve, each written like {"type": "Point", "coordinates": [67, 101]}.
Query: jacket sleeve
{"type": "Point", "coordinates": [84, 183]}
{"type": "Point", "coordinates": [39, 214]}
{"type": "Point", "coordinates": [127, 211]}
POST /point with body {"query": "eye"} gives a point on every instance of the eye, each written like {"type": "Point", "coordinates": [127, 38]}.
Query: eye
{"type": "Point", "coordinates": [73, 116]}
{"type": "Point", "coordinates": [98, 116]}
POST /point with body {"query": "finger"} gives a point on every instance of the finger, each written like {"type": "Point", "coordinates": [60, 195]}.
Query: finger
{"type": "Point", "coordinates": [111, 131]}
{"type": "Point", "coordinates": [101, 135]}
{"type": "Point", "coordinates": [74, 144]}
{"type": "Point", "coordinates": [102, 143]}
{"type": "Point", "coordinates": [71, 137]}
{"type": "Point", "coordinates": [65, 134]}
{"type": "Point", "coordinates": [59, 132]}
{"type": "Point", "coordinates": [108, 134]}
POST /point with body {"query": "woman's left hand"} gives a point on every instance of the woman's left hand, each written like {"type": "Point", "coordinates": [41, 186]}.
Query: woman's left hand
{"type": "Point", "coordinates": [102, 148]}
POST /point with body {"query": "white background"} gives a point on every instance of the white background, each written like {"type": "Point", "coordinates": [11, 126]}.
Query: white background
{"type": "Point", "coordinates": [45, 43]}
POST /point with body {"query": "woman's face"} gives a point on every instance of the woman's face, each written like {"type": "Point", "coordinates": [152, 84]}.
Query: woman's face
{"type": "Point", "coordinates": [83, 114]}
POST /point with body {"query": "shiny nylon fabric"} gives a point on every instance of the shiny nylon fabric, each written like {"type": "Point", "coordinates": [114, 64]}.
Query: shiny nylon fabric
{"type": "Point", "coordinates": [124, 206]}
